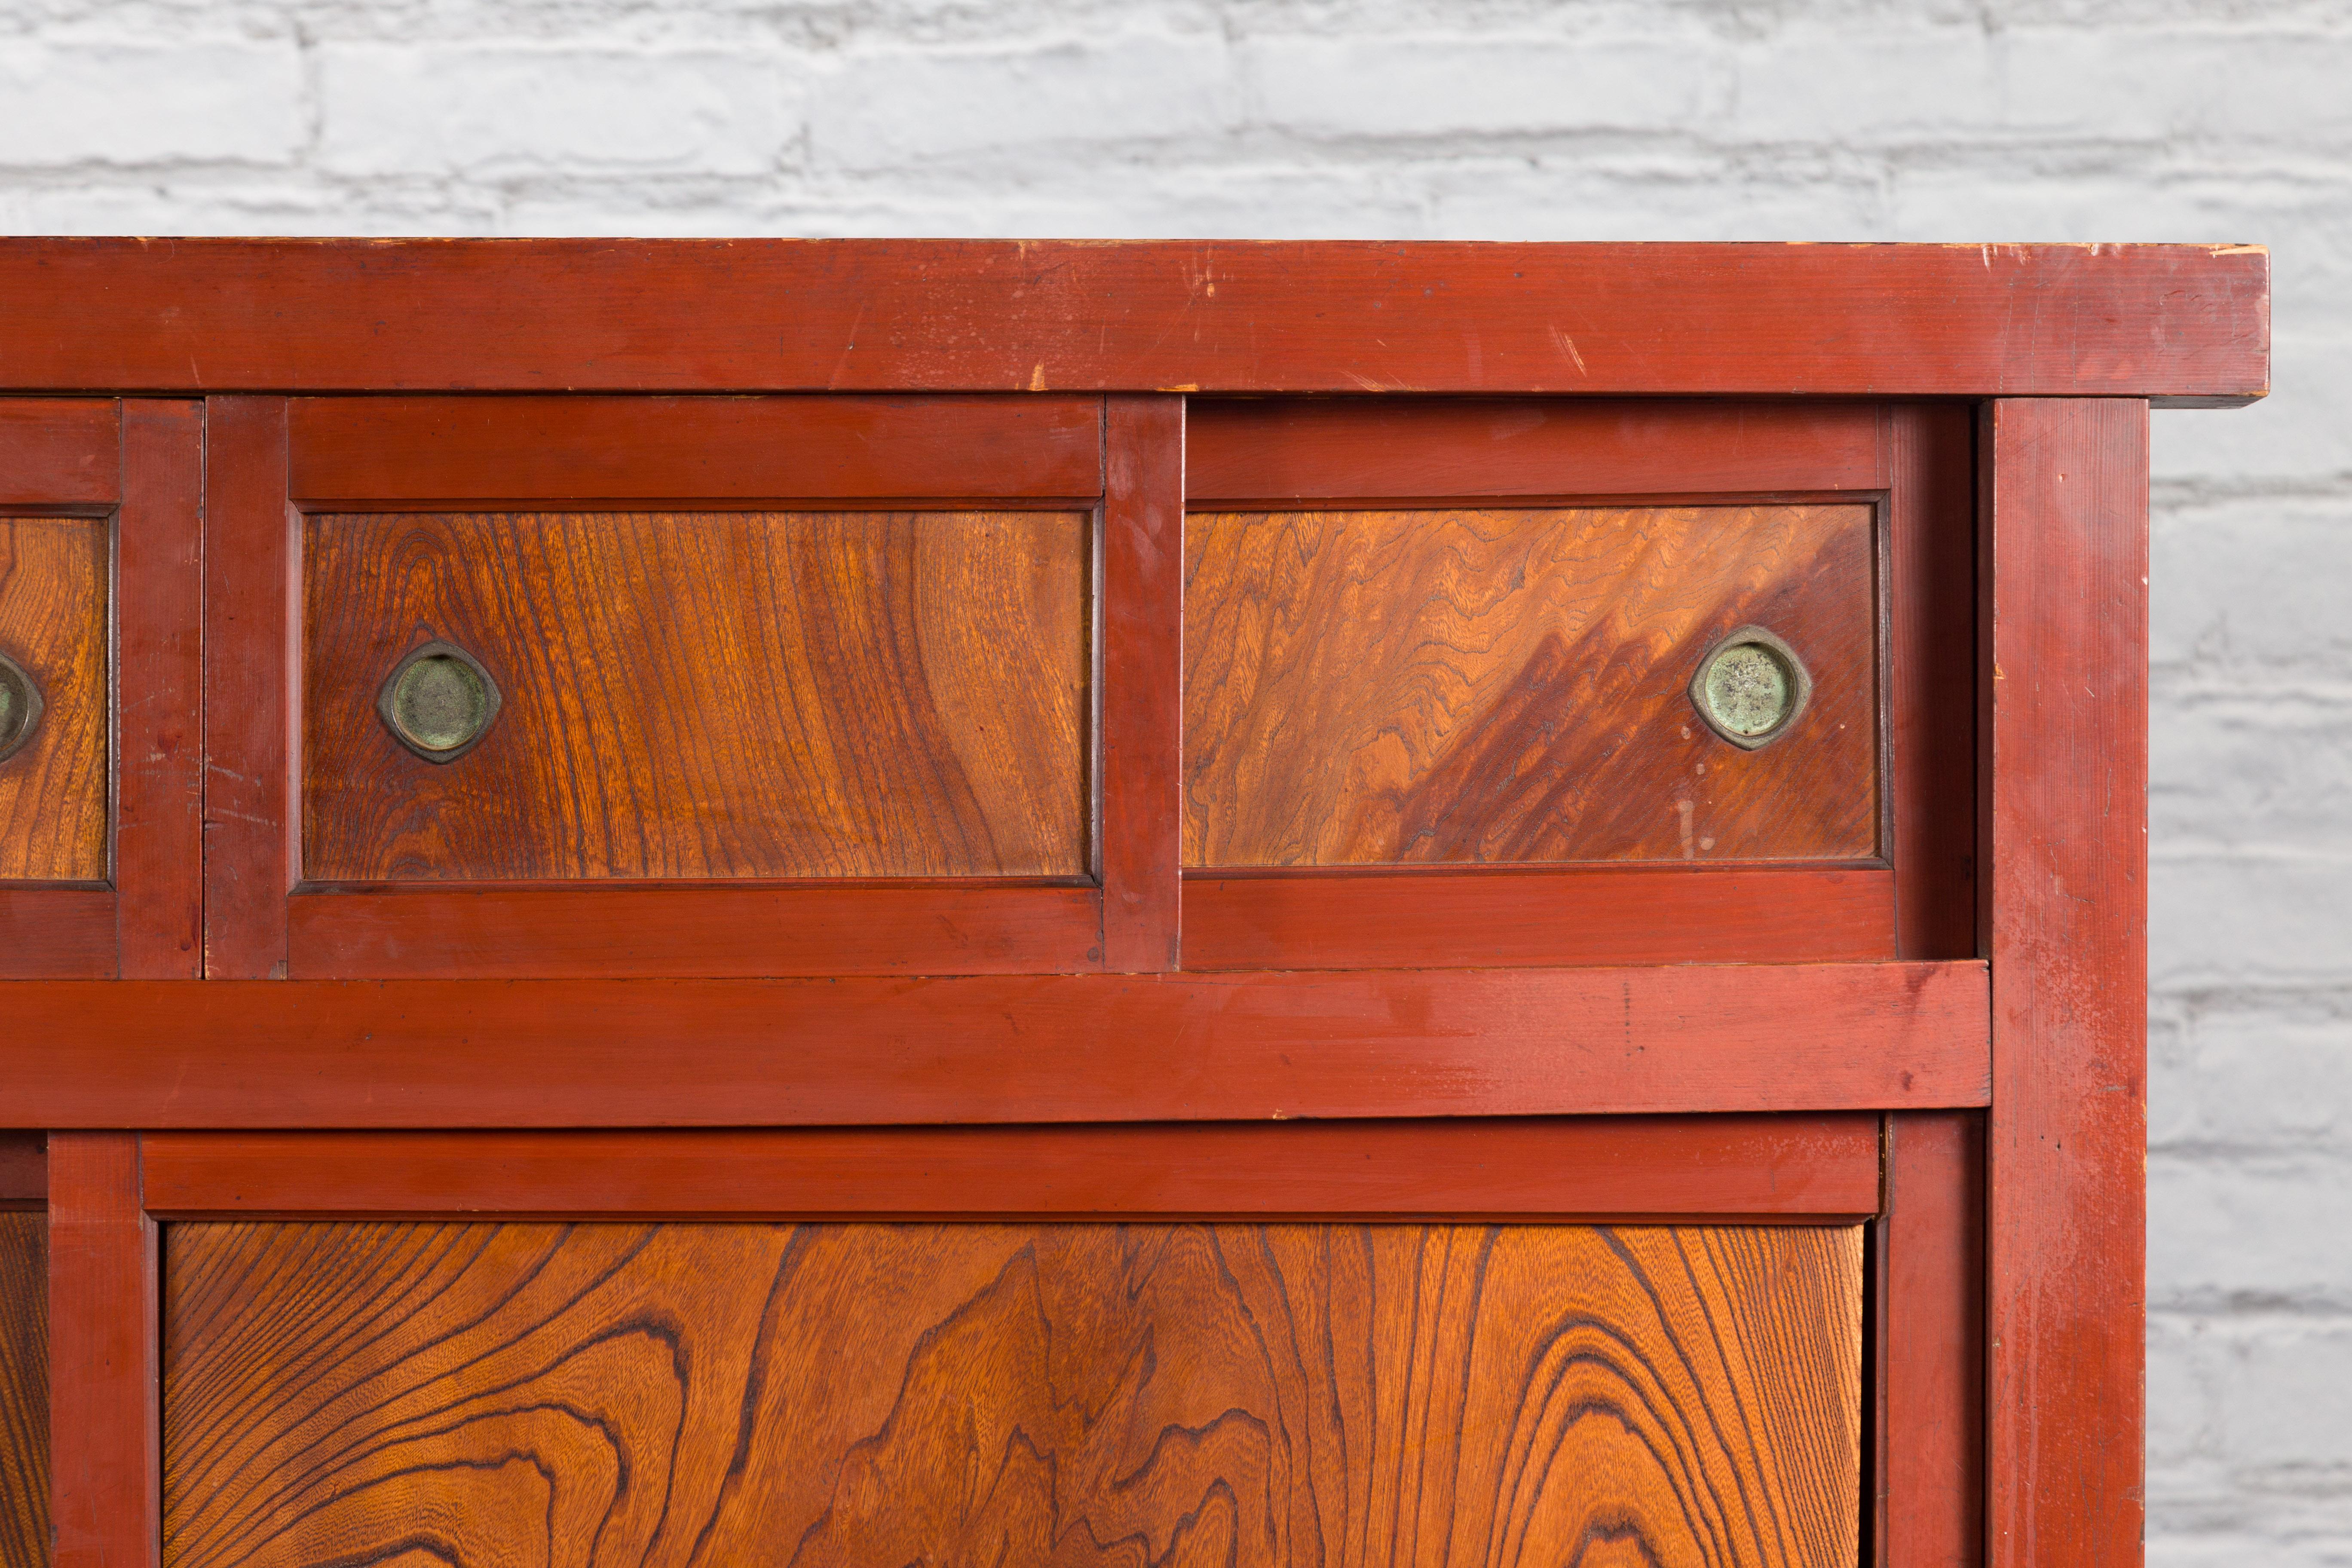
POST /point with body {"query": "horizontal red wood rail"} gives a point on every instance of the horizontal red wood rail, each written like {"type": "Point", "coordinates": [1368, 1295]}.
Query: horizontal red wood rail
{"type": "Point", "coordinates": [59, 455]}
{"type": "Point", "coordinates": [1683, 1168]}
{"type": "Point", "coordinates": [1487, 449]}
{"type": "Point", "coordinates": [995, 1048]}
{"type": "Point", "coordinates": [408, 931]}
{"type": "Point", "coordinates": [1652, 914]}
{"type": "Point", "coordinates": [2178, 323]}
{"type": "Point", "coordinates": [351, 451]}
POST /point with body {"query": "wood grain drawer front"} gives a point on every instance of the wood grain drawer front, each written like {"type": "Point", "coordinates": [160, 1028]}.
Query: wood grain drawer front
{"type": "Point", "coordinates": [1463, 687]}
{"type": "Point", "coordinates": [53, 786]}
{"type": "Point", "coordinates": [24, 1389]}
{"type": "Point", "coordinates": [705, 695]}
{"type": "Point", "coordinates": [1082, 1393]}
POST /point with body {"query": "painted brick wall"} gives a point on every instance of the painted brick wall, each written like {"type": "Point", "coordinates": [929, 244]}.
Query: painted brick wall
{"type": "Point", "coordinates": [2230, 120]}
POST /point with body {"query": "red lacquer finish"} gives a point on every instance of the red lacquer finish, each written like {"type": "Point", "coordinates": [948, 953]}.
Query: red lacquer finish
{"type": "Point", "coordinates": [2185, 324]}
{"type": "Point", "coordinates": [1142, 664]}
{"type": "Point", "coordinates": [59, 454]}
{"type": "Point", "coordinates": [105, 1453]}
{"type": "Point", "coordinates": [2065, 537]}
{"type": "Point", "coordinates": [1930, 1287]}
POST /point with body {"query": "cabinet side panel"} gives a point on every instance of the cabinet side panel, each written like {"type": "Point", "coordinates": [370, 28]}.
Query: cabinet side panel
{"type": "Point", "coordinates": [894, 1394]}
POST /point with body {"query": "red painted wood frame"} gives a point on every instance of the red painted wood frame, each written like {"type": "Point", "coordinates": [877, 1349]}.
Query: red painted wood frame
{"type": "Point", "coordinates": [1912, 461]}
{"type": "Point", "coordinates": [275, 460]}
{"type": "Point", "coordinates": [136, 463]}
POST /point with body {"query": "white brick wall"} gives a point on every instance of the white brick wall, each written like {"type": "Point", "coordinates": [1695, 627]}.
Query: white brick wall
{"type": "Point", "coordinates": [2224, 120]}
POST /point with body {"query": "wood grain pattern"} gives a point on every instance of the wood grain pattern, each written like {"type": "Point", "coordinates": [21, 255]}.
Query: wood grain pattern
{"type": "Point", "coordinates": [715, 695]}
{"type": "Point", "coordinates": [53, 589]}
{"type": "Point", "coordinates": [1679, 1168]}
{"type": "Point", "coordinates": [2189, 322]}
{"type": "Point", "coordinates": [996, 1049]}
{"type": "Point", "coordinates": [24, 1391]}
{"type": "Point", "coordinates": [860, 1394]}
{"type": "Point", "coordinates": [1482, 687]}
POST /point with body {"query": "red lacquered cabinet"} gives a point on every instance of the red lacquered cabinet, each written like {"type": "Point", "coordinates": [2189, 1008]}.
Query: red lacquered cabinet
{"type": "Point", "coordinates": [888, 902]}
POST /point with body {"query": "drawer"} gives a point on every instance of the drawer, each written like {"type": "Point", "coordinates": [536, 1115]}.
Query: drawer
{"type": "Point", "coordinates": [695, 695]}
{"type": "Point", "coordinates": [53, 702]}
{"type": "Point", "coordinates": [863, 1393]}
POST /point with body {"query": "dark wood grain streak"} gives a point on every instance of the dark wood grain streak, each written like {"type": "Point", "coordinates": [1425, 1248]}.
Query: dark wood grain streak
{"type": "Point", "coordinates": [861, 1395]}
{"type": "Point", "coordinates": [1509, 686]}
{"type": "Point", "coordinates": [53, 619]}
{"type": "Point", "coordinates": [1363, 450]}
{"type": "Point", "coordinates": [159, 844]}
{"type": "Point", "coordinates": [647, 1053]}
{"type": "Point", "coordinates": [2184, 322]}
{"type": "Point", "coordinates": [1646, 914]}
{"type": "Point", "coordinates": [54, 453]}
{"type": "Point", "coordinates": [104, 1342]}
{"type": "Point", "coordinates": [2065, 533]}
{"type": "Point", "coordinates": [421, 450]}
{"type": "Point", "coordinates": [1745, 1168]}
{"type": "Point", "coordinates": [24, 1391]}
{"type": "Point", "coordinates": [706, 696]}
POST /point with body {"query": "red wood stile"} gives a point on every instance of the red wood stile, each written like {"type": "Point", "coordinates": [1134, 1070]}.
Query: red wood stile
{"type": "Point", "coordinates": [1931, 665]}
{"type": "Point", "coordinates": [2188, 324]}
{"type": "Point", "coordinates": [1811, 1169]}
{"type": "Point", "coordinates": [1141, 760]}
{"type": "Point", "coordinates": [654, 1053]}
{"type": "Point", "coordinates": [252, 624]}
{"type": "Point", "coordinates": [105, 1343]}
{"type": "Point", "coordinates": [2065, 680]}
{"type": "Point", "coordinates": [1930, 1459]}
{"type": "Point", "coordinates": [159, 692]}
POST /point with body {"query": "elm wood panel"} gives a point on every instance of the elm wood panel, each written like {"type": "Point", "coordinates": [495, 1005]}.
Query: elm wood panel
{"type": "Point", "coordinates": [105, 1335]}
{"type": "Point", "coordinates": [1142, 661]}
{"type": "Point", "coordinates": [58, 454]}
{"type": "Point", "coordinates": [715, 695]}
{"type": "Point", "coordinates": [1685, 1167]}
{"type": "Point", "coordinates": [53, 791]}
{"type": "Point", "coordinates": [158, 846]}
{"type": "Point", "coordinates": [24, 1391]}
{"type": "Point", "coordinates": [411, 450]}
{"type": "Point", "coordinates": [1255, 450]}
{"type": "Point", "coordinates": [2066, 542]}
{"type": "Point", "coordinates": [997, 1048]}
{"type": "Point", "coordinates": [24, 1171]}
{"type": "Point", "coordinates": [2187, 323]}
{"type": "Point", "coordinates": [1506, 917]}
{"type": "Point", "coordinates": [414, 931]}
{"type": "Point", "coordinates": [1929, 1463]}
{"type": "Point", "coordinates": [1931, 615]}
{"type": "Point", "coordinates": [57, 933]}
{"type": "Point", "coordinates": [252, 649]}
{"type": "Point", "coordinates": [1470, 686]}
{"type": "Point", "coordinates": [860, 1394]}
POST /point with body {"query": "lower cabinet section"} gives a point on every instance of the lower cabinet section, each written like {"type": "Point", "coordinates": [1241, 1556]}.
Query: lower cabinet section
{"type": "Point", "coordinates": [871, 1394]}
{"type": "Point", "coordinates": [24, 1389]}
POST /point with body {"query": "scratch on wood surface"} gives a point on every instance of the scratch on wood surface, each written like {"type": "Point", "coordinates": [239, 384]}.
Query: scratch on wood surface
{"type": "Point", "coordinates": [1568, 344]}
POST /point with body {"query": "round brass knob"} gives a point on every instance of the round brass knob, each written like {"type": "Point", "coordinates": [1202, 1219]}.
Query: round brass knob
{"type": "Point", "coordinates": [438, 701]}
{"type": "Point", "coordinates": [1751, 686]}
{"type": "Point", "coordinates": [20, 706]}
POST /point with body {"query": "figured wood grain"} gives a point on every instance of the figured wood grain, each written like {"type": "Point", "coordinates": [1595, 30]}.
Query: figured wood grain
{"type": "Point", "coordinates": [53, 622]}
{"type": "Point", "coordinates": [2190, 322]}
{"type": "Point", "coordinates": [1482, 687]}
{"type": "Point", "coordinates": [997, 1048]}
{"type": "Point", "coordinates": [24, 1391]}
{"type": "Point", "coordinates": [863, 1395]}
{"type": "Point", "coordinates": [714, 695]}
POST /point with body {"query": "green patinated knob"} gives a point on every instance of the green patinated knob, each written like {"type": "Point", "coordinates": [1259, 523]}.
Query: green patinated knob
{"type": "Point", "coordinates": [1751, 686]}
{"type": "Point", "coordinates": [438, 701]}
{"type": "Point", "coordinates": [20, 706]}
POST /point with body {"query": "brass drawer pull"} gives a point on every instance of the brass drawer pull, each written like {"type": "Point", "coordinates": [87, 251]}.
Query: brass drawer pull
{"type": "Point", "coordinates": [438, 701]}
{"type": "Point", "coordinates": [20, 706]}
{"type": "Point", "coordinates": [1750, 687]}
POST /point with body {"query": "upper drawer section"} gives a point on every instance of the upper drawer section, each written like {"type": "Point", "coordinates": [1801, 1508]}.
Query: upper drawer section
{"type": "Point", "coordinates": [696, 695]}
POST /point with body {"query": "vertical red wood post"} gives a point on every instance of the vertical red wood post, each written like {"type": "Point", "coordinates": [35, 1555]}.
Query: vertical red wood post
{"type": "Point", "coordinates": [251, 828]}
{"type": "Point", "coordinates": [2066, 685]}
{"type": "Point", "coordinates": [158, 864]}
{"type": "Point", "coordinates": [1930, 1436]}
{"type": "Point", "coordinates": [105, 1347]}
{"type": "Point", "coordinates": [1141, 756]}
